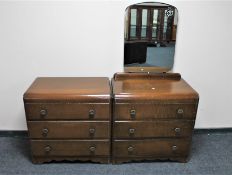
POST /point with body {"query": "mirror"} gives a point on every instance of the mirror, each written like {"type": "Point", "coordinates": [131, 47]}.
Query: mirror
{"type": "Point", "coordinates": [149, 37]}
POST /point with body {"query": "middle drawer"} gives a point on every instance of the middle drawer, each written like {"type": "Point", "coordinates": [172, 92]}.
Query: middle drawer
{"type": "Point", "coordinates": [69, 129]}
{"type": "Point", "coordinates": [150, 129]}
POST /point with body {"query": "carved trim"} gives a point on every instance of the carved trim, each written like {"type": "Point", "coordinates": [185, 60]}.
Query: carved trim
{"type": "Point", "coordinates": [40, 160]}
{"type": "Point", "coordinates": [142, 159]}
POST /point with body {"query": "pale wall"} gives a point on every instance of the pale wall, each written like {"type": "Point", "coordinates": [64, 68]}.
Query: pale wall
{"type": "Point", "coordinates": [59, 38]}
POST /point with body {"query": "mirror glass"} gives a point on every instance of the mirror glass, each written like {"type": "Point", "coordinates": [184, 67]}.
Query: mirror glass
{"type": "Point", "coordinates": [149, 37]}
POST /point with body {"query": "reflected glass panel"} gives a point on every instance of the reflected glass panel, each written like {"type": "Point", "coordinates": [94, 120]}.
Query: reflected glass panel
{"type": "Point", "coordinates": [144, 23]}
{"type": "Point", "coordinates": [133, 22]}
{"type": "Point", "coordinates": [165, 25]}
{"type": "Point", "coordinates": [155, 23]}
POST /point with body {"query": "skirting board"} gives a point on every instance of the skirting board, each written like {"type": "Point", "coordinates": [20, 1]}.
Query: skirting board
{"type": "Point", "coordinates": [24, 133]}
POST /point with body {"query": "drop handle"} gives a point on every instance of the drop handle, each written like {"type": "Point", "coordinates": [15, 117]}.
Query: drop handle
{"type": "Point", "coordinates": [47, 149]}
{"type": "Point", "coordinates": [131, 131]}
{"type": "Point", "coordinates": [92, 131]}
{"type": "Point", "coordinates": [45, 132]}
{"type": "Point", "coordinates": [43, 112]}
{"type": "Point", "coordinates": [132, 113]}
{"type": "Point", "coordinates": [92, 149]}
{"type": "Point", "coordinates": [130, 149]}
{"type": "Point", "coordinates": [180, 111]}
{"type": "Point", "coordinates": [177, 130]}
{"type": "Point", "coordinates": [174, 148]}
{"type": "Point", "coordinates": [91, 113]}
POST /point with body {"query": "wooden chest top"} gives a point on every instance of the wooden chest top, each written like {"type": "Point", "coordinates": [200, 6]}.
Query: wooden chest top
{"type": "Point", "coordinates": [88, 89]}
{"type": "Point", "coordinates": [153, 89]}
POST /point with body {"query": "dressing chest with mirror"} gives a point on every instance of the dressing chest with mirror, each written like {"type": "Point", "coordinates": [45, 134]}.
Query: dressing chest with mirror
{"type": "Point", "coordinates": [145, 113]}
{"type": "Point", "coordinates": [154, 110]}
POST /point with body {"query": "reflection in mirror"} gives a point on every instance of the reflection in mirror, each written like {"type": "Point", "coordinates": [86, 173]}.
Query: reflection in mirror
{"type": "Point", "coordinates": [150, 35]}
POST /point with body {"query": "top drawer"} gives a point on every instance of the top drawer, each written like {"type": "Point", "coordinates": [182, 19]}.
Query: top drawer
{"type": "Point", "coordinates": [127, 111]}
{"type": "Point", "coordinates": [65, 111]}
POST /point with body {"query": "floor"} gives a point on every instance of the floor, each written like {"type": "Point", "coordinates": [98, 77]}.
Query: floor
{"type": "Point", "coordinates": [211, 154]}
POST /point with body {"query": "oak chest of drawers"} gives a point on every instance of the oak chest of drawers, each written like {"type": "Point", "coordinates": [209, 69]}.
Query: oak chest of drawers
{"type": "Point", "coordinates": [69, 119]}
{"type": "Point", "coordinates": [153, 117]}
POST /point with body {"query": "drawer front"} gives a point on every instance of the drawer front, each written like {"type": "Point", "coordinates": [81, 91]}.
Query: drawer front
{"type": "Point", "coordinates": [149, 129]}
{"type": "Point", "coordinates": [151, 148]}
{"type": "Point", "coordinates": [154, 111]}
{"type": "Point", "coordinates": [70, 148]}
{"type": "Point", "coordinates": [69, 129]}
{"type": "Point", "coordinates": [65, 111]}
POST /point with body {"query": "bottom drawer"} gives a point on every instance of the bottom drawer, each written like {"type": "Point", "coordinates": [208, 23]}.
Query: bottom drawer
{"type": "Point", "coordinates": [151, 148]}
{"type": "Point", "coordinates": [70, 148]}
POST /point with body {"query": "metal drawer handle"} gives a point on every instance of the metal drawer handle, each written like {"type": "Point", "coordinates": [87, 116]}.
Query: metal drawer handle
{"type": "Point", "coordinates": [180, 111]}
{"type": "Point", "coordinates": [43, 112]}
{"type": "Point", "coordinates": [92, 149]}
{"type": "Point", "coordinates": [174, 148]}
{"type": "Point", "coordinates": [130, 149]}
{"type": "Point", "coordinates": [177, 130]}
{"type": "Point", "coordinates": [47, 149]}
{"type": "Point", "coordinates": [133, 113]}
{"type": "Point", "coordinates": [131, 131]}
{"type": "Point", "coordinates": [92, 131]}
{"type": "Point", "coordinates": [45, 132]}
{"type": "Point", "coordinates": [91, 113]}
